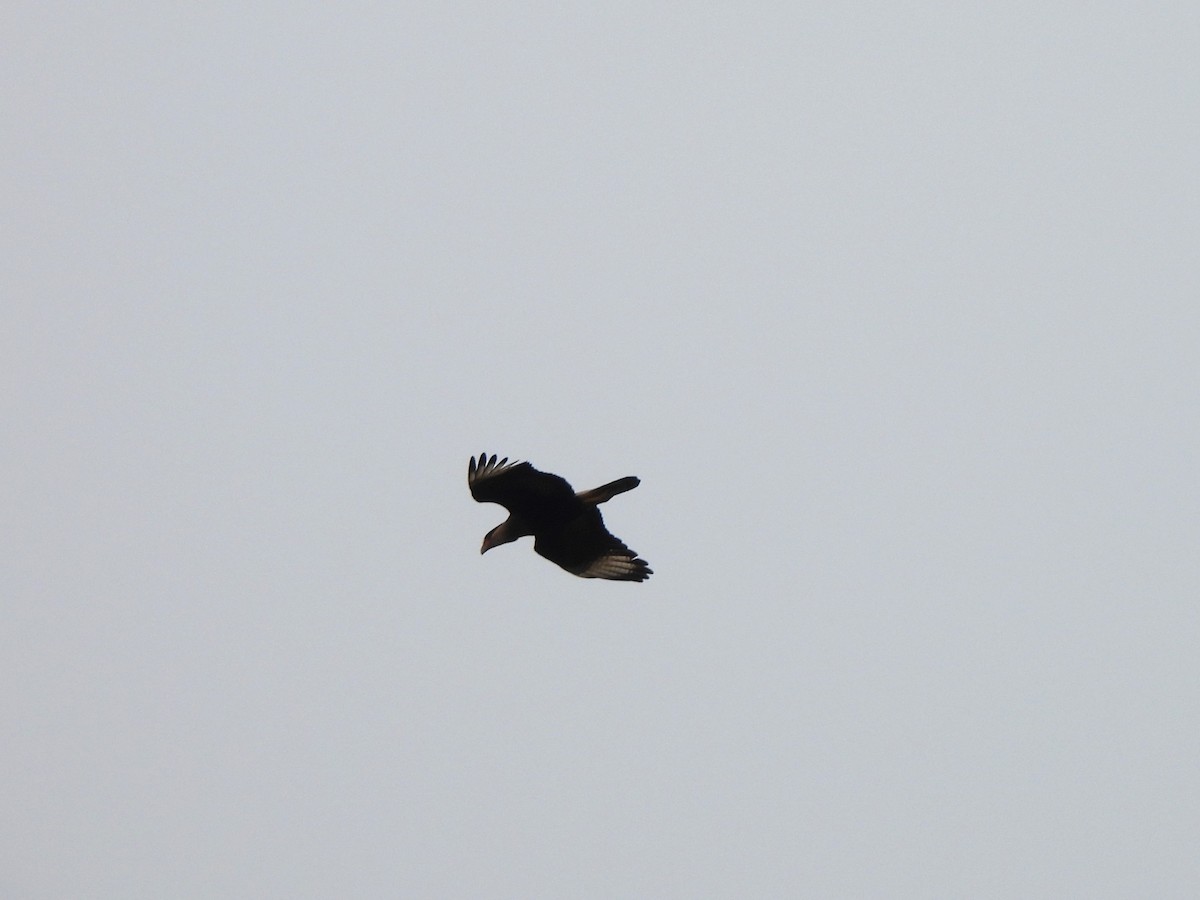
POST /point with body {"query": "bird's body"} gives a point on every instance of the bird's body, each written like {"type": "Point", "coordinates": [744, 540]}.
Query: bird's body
{"type": "Point", "coordinates": [566, 526]}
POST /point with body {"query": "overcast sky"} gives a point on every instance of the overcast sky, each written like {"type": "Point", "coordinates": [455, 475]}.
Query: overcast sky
{"type": "Point", "coordinates": [893, 308]}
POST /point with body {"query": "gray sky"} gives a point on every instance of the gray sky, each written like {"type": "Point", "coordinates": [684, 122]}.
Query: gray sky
{"type": "Point", "coordinates": [893, 308]}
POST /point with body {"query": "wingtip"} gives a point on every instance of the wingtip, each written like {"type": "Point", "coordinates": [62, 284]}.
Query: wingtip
{"type": "Point", "coordinates": [484, 465]}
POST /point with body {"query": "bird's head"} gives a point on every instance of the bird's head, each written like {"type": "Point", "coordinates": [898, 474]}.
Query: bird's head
{"type": "Point", "coordinates": [501, 534]}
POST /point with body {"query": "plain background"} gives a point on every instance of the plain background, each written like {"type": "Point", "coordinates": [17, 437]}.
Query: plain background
{"type": "Point", "coordinates": [892, 307]}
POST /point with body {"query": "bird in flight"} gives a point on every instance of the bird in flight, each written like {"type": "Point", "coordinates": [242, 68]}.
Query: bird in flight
{"type": "Point", "coordinates": [566, 526]}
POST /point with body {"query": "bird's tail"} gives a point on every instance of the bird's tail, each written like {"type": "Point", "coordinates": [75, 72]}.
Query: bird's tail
{"type": "Point", "coordinates": [610, 490]}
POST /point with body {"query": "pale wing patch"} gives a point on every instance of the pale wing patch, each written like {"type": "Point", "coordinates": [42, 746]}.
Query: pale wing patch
{"type": "Point", "coordinates": [617, 568]}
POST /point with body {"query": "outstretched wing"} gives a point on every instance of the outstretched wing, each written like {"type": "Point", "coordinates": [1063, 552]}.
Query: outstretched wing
{"type": "Point", "coordinates": [587, 549]}
{"type": "Point", "coordinates": [521, 489]}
